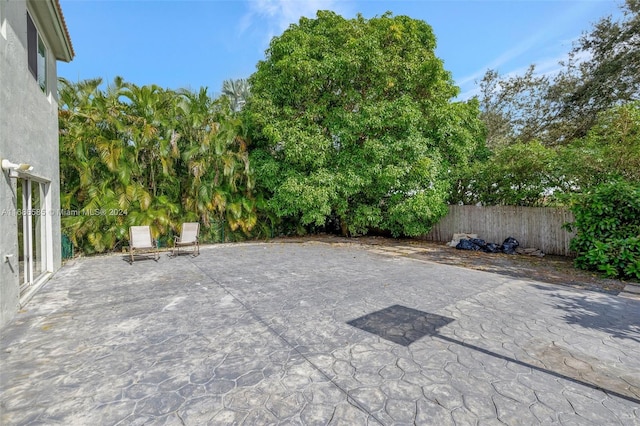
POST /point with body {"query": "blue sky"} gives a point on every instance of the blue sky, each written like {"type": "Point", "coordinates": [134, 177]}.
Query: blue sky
{"type": "Point", "coordinates": [183, 43]}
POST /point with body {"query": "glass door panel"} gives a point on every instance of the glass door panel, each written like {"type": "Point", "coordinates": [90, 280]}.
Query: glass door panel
{"type": "Point", "coordinates": [22, 260]}
{"type": "Point", "coordinates": [36, 229]}
{"type": "Point", "coordinates": [31, 232]}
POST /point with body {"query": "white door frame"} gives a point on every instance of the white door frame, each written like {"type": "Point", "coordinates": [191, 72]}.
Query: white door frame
{"type": "Point", "coordinates": [30, 276]}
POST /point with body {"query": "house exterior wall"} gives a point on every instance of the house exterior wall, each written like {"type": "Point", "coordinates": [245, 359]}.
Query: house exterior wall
{"type": "Point", "coordinates": [28, 134]}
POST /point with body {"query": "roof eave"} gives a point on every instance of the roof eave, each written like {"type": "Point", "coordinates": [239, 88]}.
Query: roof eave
{"type": "Point", "coordinates": [55, 27]}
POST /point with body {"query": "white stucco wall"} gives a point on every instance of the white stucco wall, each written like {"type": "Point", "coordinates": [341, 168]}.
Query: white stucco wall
{"type": "Point", "coordinates": [28, 134]}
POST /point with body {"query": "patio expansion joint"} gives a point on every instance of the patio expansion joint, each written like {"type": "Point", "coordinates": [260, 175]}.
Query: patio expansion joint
{"type": "Point", "coordinates": [274, 332]}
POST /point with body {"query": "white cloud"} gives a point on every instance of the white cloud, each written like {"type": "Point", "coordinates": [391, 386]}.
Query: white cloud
{"type": "Point", "coordinates": [277, 15]}
{"type": "Point", "coordinates": [516, 51]}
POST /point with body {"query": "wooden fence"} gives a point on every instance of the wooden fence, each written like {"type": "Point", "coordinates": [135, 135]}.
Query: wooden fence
{"type": "Point", "coordinates": [539, 227]}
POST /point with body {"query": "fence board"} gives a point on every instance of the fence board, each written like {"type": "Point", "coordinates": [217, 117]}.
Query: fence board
{"type": "Point", "coordinates": [539, 227]}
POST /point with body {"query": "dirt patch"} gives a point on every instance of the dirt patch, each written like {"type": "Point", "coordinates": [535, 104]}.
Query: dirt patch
{"type": "Point", "coordinates": [549, 269]}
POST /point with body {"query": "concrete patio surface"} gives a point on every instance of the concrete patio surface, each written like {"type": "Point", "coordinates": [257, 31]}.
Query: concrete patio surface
{"type": "Point", "coordinates": [315, 333]}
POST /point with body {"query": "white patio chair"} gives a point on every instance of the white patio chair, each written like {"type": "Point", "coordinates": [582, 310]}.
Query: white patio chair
{"type": "Point", "coordinates": [188, 237]}
{"type": "Point", "coordinates": [140, 239]}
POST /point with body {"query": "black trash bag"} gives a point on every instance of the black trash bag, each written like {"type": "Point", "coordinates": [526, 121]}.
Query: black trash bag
{"type": "Point", "coordinates": [509, 246]}
{"type": "Point", "coordinates": [512, 241]}
{"type": "Point", "coordinates": [491, 248]}
{"type": "Point", "coordinates": [478, 241]}
{"type": "Point", "coordinates": [467, 245]}
{"type": "Point", "coordinates": [508, 249]}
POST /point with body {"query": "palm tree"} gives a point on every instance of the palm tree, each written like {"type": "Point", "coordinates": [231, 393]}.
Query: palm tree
{"type": "Point", "coordinates": [89, 153]}
{"type": "Point", "coordinates": [160, 156]}
{"type": "Point", "coordinates": [218, 183]}
{"type": "Point", "coordinates": [237, 92]}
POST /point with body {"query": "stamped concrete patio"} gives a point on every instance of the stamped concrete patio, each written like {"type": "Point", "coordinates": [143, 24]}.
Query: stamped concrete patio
{"type": "Point", "coordinates": [313, 333]}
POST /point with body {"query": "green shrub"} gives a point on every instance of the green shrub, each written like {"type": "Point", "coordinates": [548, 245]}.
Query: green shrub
{"type": "Point", "coordinates": [607, 221]}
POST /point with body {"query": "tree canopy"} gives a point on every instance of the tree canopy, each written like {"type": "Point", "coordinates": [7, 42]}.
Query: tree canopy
{"type": "Point", "coordinates": [352, 121]}
{"type": "Point", "coordinates": [602, 72]}
{"type": "Point", "coordinates": [611, 75]}
{"type": "Point", "coordinates": [553, 136]}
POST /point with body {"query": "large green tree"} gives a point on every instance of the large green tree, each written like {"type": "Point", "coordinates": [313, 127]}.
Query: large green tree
{"type": "Point", "coordinates": [353, 120]}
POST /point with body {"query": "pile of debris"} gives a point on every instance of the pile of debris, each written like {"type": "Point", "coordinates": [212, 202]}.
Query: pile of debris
{"type": "Point", "coordinates": [531, 251]}
{"type": "Point", "coordinates": [508, 246]}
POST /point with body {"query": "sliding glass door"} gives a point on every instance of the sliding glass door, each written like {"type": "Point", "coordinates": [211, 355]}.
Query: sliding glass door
{"type": "Point", "coordinates": [31, 225]}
